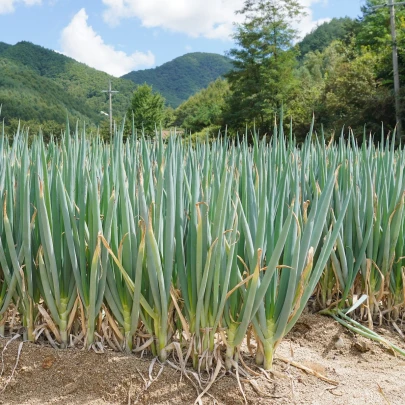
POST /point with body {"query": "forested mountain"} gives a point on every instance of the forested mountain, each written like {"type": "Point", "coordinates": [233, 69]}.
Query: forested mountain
{"type": "Point", "coordinates": [71, 78]}
{"type": "Point", "coordinates": [29, 96]}
{"type": "Point", "coordinates": [341, 73]}
{"type": "Point", "coordinates": [204, 109]}
{"type": "Point", "coordinates": [3, 46]}
{"type": "Point", "coordinates": [323, 35]}
{"type": "Point", "coordinates": [184, 76]}
{"type": "Point", "coordinates": [38, 85]}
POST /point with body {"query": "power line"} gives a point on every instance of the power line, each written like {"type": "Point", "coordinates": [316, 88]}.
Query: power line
{"type": "Point", "coordinates": [110, 93]}
{"type": "Point", "coordinates": [397, 85]}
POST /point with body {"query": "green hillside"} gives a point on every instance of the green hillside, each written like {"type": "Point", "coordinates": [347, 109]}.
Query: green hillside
{"type": "Point", "coordinates": [73, 80]}
{"type": "Point", "coordinates": [323, 35]}
{"type": "Point", "coordinates": [41, 85]}
{"type": "Point", "coordinates": [28, 96]}
{"type": "Point", "coordinates": [3, 47]}
{"type": "Point", "coordinates": [184, 76]}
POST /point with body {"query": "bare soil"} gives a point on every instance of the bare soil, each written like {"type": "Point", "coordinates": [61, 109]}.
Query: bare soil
{"type": "Point", "coordinates": [367, 373]}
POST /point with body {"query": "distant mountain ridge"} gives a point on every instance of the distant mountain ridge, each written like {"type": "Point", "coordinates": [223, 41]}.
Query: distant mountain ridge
{"type": "Point", "coordinates": [324, 34]}
{"type": "Point", "coordinates": [27, 96]}
{"type": "Point", "coordinates": [43, 85]}
{"type": "Point", "coordinates": [182, 77]}
{"type": "Point", "coordinates": [3, 46]}
{"type": "Point", "coordinates": [73, 80]}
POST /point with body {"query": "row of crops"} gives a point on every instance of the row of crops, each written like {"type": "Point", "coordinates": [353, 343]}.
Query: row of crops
{"type": "Point", "coordinates": [178, 249]}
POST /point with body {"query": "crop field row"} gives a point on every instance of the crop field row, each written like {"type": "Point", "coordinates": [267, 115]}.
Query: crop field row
{"type": "Point", "coordinates": [187, 250]}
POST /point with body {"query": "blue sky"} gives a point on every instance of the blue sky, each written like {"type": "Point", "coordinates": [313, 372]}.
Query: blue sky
{"type": "Point", "coordinates": [123, 35]}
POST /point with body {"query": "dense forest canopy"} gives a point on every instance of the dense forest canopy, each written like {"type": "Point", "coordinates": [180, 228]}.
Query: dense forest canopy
{"type": "Point", "coordinates": [34, 79]}
{"type": "Point", "coordinates": [41, 87]}
{"type": "Point", "coordinates": [205, 109]}
{"type": "Point", "coordinates": [341, 73]}
{"type": "Point", "coordinates": [182, 77]}
{"type": "Point", "coordinates": [322, 36]}
{"type": "Point", "coordinates": [35, 98]}
{"type": "Point", "coordinates": [3, 46]}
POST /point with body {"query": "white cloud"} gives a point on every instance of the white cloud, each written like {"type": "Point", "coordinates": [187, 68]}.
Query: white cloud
{"type": "Point", "coordinates": [81, 42]}
{"type": "Point", "coordinates": [206, 18]}
{"type": "Point", "coordinates": [196, 18]}
{"type": "Point", "coordinates": [8, 6]}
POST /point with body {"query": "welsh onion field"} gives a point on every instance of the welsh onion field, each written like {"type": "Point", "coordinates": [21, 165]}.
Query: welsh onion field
{"type": "Point", "coordinates": [188, 250]}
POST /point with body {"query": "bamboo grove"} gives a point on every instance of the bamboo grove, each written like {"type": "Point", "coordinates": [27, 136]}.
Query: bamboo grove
{"type": "Point", "coordinates": [185, 250]}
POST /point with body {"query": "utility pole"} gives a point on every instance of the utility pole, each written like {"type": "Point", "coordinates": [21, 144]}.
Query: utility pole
{"type": "Point", "coordinates": [110, 93]}
{"type": "Point", "coordinates": [397, 87]}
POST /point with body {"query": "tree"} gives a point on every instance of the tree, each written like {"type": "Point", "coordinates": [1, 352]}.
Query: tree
{"type": "Point", "coordinates": [147, 108]}
{"type": "Point", "coordinates": [340, 86]}
{"type": "Point", "coordinates": [375, 34]}
{"type": "Point", "coordinates": [323, 35]}
{"type": "Point", "coordinates": [264, 61]}
{"type": "Point", "coordinates": [204, 109]}
{"type": "Point", "coordinates": [375, 25]}
{"type": "Point", "coordinates": [350, 91]}
{"type": "Point", "coordinates": [34, 128]}
{"type": "Point", "coordinates": [182, 77]}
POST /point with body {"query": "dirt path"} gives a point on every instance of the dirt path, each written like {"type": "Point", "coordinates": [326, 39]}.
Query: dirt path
{"type": "Point", "coordinates": [372, 377]}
